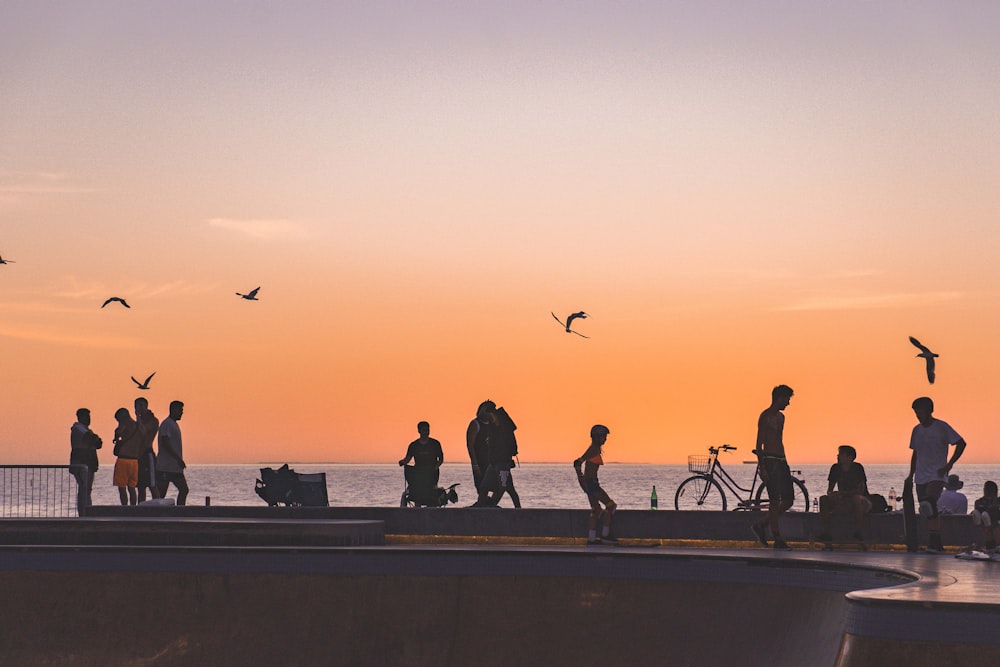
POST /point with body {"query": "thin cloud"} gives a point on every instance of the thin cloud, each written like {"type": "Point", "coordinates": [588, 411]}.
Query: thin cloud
{"type": "Point", "coordinates": [135, 291]}
{"type": "Point", "coordinates": [265, 229]}
{"type": "Point", "coordinates": [869, 301]}
{"type": "Point", "coordinates": [39, 183]}
{"type": "Point", "coordinates": [58, 337]}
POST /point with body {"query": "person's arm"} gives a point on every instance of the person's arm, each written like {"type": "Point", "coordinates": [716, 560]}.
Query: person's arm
{"type": "Point", "coordinates": [913, 466]}
{"type": "Point", "coordinates": [959, 448]}
{"type": "Point", "coordinates": [470, 441]}
{"type": "Point", "coordinates": [165, 443]}
{"type": "Point", "coordinates": [440, 455]}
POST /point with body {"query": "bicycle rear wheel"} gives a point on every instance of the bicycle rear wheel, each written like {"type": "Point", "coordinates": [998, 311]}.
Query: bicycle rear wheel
{"type": "Point", "coordinates": [800, 502]}
{"type": "Point", "coordinates": [700, 492]}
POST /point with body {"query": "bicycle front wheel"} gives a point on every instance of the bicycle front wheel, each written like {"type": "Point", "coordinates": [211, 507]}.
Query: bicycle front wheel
{"type": "Point", "coordinates": [800, 502]}
{"type": "Point", "coordinates": [700, 492]}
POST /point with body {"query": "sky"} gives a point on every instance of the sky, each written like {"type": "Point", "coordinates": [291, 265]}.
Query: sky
{"type": "Point", "coordinates": [739, 194]}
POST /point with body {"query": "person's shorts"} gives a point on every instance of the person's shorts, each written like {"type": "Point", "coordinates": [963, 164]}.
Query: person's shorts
{"type": "Point", "coordinates": [988, 517]}
{"type": "Point", "coordinates": [498, 478]}
{"type": "Point", "coordinates": [930, 492]}
{"type": "Point", "coordinates": [147, 470]}
{"type": "Point", "coordinates": [126, 473]}
{"type": "Point", "coordinates": [844, 504]}
{"type": "Point", "coordinates": [176, 478]}
{"type": "Point", "coordinates": [592, 486]}
{"type": "Point", "coordinates": [779, 479]}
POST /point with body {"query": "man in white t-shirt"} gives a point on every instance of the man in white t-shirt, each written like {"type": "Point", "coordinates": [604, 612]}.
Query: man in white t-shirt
{"type": "Point", "coordinates": [930, 465]}
{"type": "Point", "coordinates": [170, 455]}
{"type": "Point", "coordinates": [951, 501]}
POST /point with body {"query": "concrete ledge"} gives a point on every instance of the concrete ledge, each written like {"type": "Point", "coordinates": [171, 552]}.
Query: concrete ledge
{"type": "Point", "coordinates": [880, 529]}
{"type": "Point", "coordinates": [215, 531]}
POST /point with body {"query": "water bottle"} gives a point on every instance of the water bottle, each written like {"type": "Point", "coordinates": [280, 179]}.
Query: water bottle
{"type": "Point", "coordinates": [815, 504]}
{"type": "Point", "coordinates": [892, 498]}
{"type": "Point", "coordinates": [652, 499]}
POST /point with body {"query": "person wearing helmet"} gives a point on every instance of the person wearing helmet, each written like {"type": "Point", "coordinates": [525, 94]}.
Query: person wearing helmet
{"type": "Point", "coordinates": [586, 474]}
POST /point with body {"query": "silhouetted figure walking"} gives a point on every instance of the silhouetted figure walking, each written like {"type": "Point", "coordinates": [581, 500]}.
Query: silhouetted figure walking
{"type": "Point", "coordinates": [170, 460]}
{"type": "Point", "coordinates": [586, 474]}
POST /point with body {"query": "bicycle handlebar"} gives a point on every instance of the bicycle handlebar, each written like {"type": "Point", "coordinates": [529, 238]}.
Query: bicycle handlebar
{"type": "Point", "coordinates": [721, 448]}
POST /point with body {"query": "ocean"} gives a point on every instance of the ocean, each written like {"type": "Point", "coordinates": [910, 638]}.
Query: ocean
{"type": "Point", "coordinates": [540, 485]}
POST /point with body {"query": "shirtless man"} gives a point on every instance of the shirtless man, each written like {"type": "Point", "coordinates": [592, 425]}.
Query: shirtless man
{"type": "Point", "coordinates": [774, 472]}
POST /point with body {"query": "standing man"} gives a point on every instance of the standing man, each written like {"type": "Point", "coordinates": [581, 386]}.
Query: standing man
{"type": "Point", "coordinates": [170, 463]}
{"type": "Point", "coordinates": [774, 472]}
{"type": "Point", "coordinates": [148, 427]}
{"type": "Point", "coordinates": [930, 465]}
{"type": "Point", "coordinates": [84, 444]}
{"type": "Point", "coordinates": [476, 437]}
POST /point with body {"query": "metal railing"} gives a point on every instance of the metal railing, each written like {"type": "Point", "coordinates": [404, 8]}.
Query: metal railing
{"type": "Point", "coordinates": [43, 490]}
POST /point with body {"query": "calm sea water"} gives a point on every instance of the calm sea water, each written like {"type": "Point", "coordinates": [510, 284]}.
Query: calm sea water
{"type": "Point", "coordinates": [540, 485]}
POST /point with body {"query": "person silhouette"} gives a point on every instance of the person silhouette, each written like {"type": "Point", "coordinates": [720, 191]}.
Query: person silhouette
{"type": "Point", "coordinates": [586, 474]}
{"type": "Point", "coordinates": [84, 444]}
{"type": "Point", "coordinates": [128, 446]}
{"type": "Point", "coordinates": [148, 426]}
{"type": "Point", "coordinates": [769, 446]}
{"type": "Point", "coordinates": [170, 462]}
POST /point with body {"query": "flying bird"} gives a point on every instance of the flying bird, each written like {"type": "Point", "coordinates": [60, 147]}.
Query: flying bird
{"type": "Point", "coordinates": [7, 261]}
{"type": "Point", "coordinates": [144, 385]}
{"type": "Point", "coordinates": [118, 299]}
{"type": "Point", "coordinates": [569, 322]}
{"type": "Point", "coordinates": [250, 296]}
{"type": "Point", "coordinates": [928, 355]}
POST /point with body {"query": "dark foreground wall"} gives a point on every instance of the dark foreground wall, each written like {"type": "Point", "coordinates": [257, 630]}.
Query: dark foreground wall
{"type": "Point", "coordinates": [420, 607]}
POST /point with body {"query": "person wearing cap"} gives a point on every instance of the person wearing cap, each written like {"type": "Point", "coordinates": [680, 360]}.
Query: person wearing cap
{"type": "Point", "coordinates": [586, 474]}
{"type": "Point", "coordinates": [951, 501]}
{"type": "Point", "coordinates": [930, 465]}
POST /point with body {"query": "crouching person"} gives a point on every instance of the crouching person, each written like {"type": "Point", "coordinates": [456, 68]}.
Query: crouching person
{"type": "Point", "coordinates": [847, 493]}
{"type": "Point", "coordinates": [986, 515]}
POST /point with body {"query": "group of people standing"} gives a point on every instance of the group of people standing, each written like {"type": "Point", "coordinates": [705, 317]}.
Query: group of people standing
{"type": "Point", "coordinates": [138, 467]}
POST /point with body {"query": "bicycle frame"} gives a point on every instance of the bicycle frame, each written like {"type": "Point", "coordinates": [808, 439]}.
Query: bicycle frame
{"type": "Point", "coordinates": [719, 473]}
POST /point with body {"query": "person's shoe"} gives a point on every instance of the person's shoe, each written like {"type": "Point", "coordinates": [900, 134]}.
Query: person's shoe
{"type": "Point", "coordinates": [934, 551]}
{"type": "Point", "coordinates": [593, 542]}
{"type": "Point", "coordinates": [758, 531]}
{"type": "Point", "coordinates": [781, 545]}
{"type": "Point", "coordinates": [609, 539]}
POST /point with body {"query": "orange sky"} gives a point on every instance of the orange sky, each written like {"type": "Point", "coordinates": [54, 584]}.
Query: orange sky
{"type": "Point", "coordinates": [737, 200]}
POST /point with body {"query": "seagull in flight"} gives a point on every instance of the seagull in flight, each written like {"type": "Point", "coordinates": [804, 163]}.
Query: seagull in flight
{"type": "Point", "coordinates": [7, 261]}
{"type": "Point", "coordinates": [569, 322]}
{"type": "Point", "coordinates": [928, 355]}
{"type": "Point", "coordinates": [250, 296]}
{"type": "Point", "coordinates": [144, 385]}
{"type": "Point", "coordinates": [118, 299]}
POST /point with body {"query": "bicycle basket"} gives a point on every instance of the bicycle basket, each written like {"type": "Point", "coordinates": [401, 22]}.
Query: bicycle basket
{"type": "Point", "coordinates": [699, 463]}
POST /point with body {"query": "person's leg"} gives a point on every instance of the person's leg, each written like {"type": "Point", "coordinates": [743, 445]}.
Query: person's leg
{"type": "Point", "coordinates": [595, 516]}
{"type": "Point", "coordinates": [182, 488]}
{"type": "Point", "coordinates": [132, 495]}
{"type": "Point", "coordinates": [826, 517]}
{"type": "Point", "coordinates": [122, 495]}
{"type": "Point", "coordinates": [929, 493]}
{"type": "Point", "coordinates": [512, 492]}
{"type": "Point", "coordinates": [862, 506]}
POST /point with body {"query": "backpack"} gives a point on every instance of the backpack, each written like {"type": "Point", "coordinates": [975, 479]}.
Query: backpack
{"type": "Point", "coordinates": [505, 422]}
{"type": "Point", "coordinates": [879, 504]}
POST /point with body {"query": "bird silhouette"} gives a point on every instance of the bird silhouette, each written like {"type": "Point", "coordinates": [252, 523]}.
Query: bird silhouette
{"type": "Point", "coordinates": [250, 296]}
{"type": "Point", "coordinates": [928, 356]}
{"type": "Point", "coordinates": [569, 321]}
{"type": "Point", "coordinates": [118, 299]}
{"type": "Point", "coordinates": [7, 261]}
{"type": "Point", "coordinates": [144, 385]}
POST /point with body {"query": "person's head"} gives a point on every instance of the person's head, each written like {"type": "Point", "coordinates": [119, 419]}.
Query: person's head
{"type": "Point", "coordinates": [846, 454]}
{"type": "Point", "coordinates": [122, 415]}
{"type": "Point", "coordinates": [599, 433]}
{"type": "Point", "coordinates": [83, 416]}
{"type": "Point", "coordinates": [781, 395]}
{"type": "Point", "coordinates": [923, 407]}
{"type": "Point", "coordinates": [485, 409]}
{"type": "Point", "coordinates": [141, 406]}
{"type": "Point", "coordinates": [990, 489]}
{"type": "Point", "coordinates": [424, 429]}
{"type": "Point", "coordinates": [954, 483]}
{"type": "Point", "coordinates": [176, 410]}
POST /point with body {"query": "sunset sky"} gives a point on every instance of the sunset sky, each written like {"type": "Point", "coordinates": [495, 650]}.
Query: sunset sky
{"type": "Point", "coordinates": [740, 194]}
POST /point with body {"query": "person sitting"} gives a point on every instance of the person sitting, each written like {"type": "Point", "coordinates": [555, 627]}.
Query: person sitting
{"type": "Point", "coordinates": [847, 492]}
{"type": "Point", "coordinates": [986, 515]}
{"type": "Point", "coordinates": [951, 501]}
{"type": "Point", "coordinates": [425, 451]}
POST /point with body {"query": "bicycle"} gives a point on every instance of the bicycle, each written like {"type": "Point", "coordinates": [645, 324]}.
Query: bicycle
{"type": "Point", "coordinates": [704, 491]}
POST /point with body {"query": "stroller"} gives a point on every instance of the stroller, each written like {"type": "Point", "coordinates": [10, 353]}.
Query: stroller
{"type": "Point", "coordinates": [290, 488]}
{"type": "Point", "coordinates": [422, 489]}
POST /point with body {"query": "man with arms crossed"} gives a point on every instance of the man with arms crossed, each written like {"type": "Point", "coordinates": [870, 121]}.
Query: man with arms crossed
{"type": "Point", "coordinates": [930, 465]}
{"type": "Point", "coordinates": [774, 472]}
